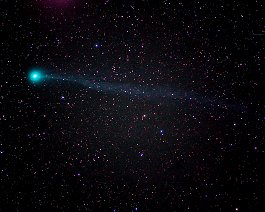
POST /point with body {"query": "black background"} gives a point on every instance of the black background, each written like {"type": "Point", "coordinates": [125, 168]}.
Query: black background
{"type": "Point", "coordinates": [65, 147]}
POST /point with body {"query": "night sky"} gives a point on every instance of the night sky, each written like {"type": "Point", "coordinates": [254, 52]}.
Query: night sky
{"type": "Point", "coordinates": [197, 145]}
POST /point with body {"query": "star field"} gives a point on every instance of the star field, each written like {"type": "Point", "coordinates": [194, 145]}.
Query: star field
{"type": "Point", "coordinates": [197, 145]}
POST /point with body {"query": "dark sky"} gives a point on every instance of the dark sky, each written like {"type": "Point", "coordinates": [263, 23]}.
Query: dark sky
{"type": "Point", "coordinates": [65, 147]}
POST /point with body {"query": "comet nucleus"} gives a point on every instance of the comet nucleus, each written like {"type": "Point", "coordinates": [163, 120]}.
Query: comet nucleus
{"type": "Point", "coordinates": [35, 76]}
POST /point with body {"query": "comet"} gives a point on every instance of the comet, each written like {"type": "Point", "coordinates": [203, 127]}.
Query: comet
{"type": "Point", "coordinates": [36, 76]}
{"type": "Point", "coordinates": [152, 93]}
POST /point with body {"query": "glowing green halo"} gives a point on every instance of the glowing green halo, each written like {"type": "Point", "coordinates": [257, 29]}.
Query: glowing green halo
{"type": "Point", "coordinates": [35, 76]}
